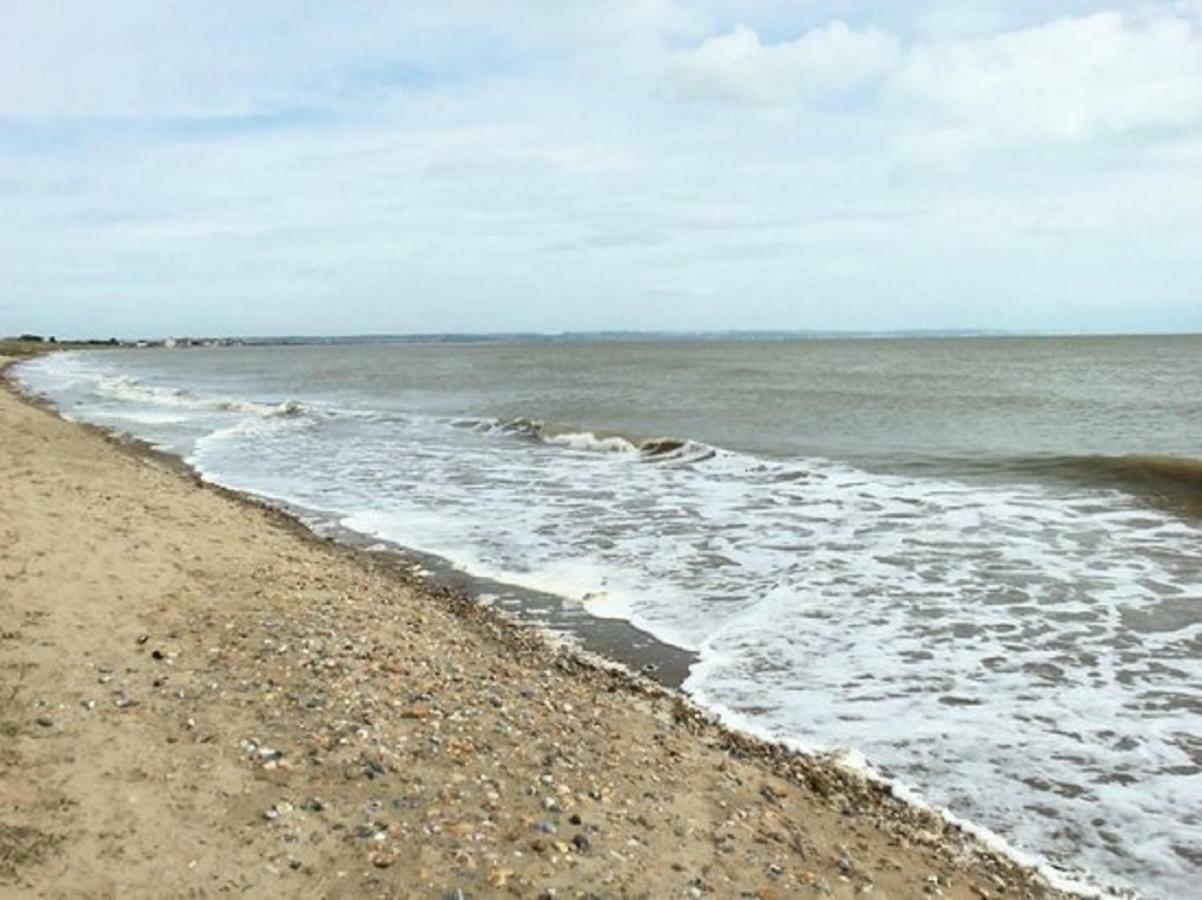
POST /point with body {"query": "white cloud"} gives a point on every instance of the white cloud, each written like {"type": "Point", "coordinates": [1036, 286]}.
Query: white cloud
{"type": "Point", "coordinates": [893, 170]}
{"type": "Point", "coordinates": [1069, 80]}
{"type": "Point", "coordinates": [737, 66]}
{"type": "Point", "coordinates": [680, 291]}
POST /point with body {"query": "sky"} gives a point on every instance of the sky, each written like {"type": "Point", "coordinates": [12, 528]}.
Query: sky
{"type": "Point", "coordinates": [302, 167]}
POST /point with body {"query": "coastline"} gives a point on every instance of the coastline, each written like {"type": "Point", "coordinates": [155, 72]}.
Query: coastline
{"type": "Point", "coordinates": [319, 721]}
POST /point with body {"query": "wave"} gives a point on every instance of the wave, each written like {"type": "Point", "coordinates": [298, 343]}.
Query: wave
{"type": "Point", "coordinates": [537, 431]}
{"type": "Point", "coordinates": [1175, 481]}
{"type": "Point", "coordinates": [131, 390]}
{"type": "Point", "coordinates": [1176, 478]}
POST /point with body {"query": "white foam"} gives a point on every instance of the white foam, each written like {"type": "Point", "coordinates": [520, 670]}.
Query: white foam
{"type": "Point", "coordinates": [68, 370]}
{"type": "Point", "coordinates": [587, 440]}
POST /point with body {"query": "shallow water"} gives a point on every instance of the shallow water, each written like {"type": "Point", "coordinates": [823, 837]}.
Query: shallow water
{"type": "Point", "coordinates": [973, 561]}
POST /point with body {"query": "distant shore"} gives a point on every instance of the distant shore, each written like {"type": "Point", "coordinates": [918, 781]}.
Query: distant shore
{"type": "Point", "coordinates": [200, 696]}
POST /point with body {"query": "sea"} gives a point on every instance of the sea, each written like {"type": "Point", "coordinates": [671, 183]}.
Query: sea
{"type": "Point", "coordinates": [969, 565]}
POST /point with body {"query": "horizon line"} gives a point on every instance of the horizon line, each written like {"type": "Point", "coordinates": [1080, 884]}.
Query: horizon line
{"type": "Point", "coordinates": [811, 333]}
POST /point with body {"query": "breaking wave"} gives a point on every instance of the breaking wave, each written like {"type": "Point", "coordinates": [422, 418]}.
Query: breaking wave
{"type": "Point", "coordinates": [1176, 480]}
{"type": "Point", "coordinates": [130, 390]}
{"type": "Point", "coordinates": [1136, 473]}
{"type": "Point", "coordinates": [647, 448]}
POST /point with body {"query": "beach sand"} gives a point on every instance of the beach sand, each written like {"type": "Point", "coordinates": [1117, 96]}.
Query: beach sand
{"type": "Point", "coordinates": [197, 698]}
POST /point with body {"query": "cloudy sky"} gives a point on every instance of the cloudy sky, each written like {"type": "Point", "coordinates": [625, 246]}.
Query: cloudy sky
{"type": "Point", "coordinates": [478, 165]}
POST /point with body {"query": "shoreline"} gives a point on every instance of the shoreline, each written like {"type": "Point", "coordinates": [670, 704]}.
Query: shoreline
{"type": "Point", "coordinates": [921, 845]}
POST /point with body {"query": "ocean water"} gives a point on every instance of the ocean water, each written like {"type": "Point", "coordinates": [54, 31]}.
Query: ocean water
{"type": "Point", "coordinates": [974, 563]}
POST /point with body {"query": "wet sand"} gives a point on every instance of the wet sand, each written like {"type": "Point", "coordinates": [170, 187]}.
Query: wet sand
{"type": "Point", "coordinates": [198, 698]}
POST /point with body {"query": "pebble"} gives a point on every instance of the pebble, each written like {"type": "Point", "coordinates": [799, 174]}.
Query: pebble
{"type": "Point", "coordinates": [45, 721]}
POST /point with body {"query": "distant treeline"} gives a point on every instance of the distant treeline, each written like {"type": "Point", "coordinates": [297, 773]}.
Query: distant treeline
{"type": "Point", "coordinates": [39, 339]}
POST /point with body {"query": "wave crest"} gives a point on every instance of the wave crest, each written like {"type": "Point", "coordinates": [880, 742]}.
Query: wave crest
{"type": "Point", "coordinates": [1141, 473]}
{"type": "Point", "coordinates": [131, 390]}
{"type": "Point", "coordinates": [650, 449]}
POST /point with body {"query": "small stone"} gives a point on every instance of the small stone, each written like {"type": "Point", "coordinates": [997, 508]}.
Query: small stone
{"type": "Point", "coordinates": [294, 863]}
{"type": "Point", "coordinates": [546, 826]}
{"type": "Point", "coordinates": [45, 721]}
{"type": "Point", "coordinates": [454, 894]}
{"type": "Point", "coordinates": [581, 843]}
{"type": "Point", "coordinates": [156, 654]}
{"type": "Point", "coordinates": [143, 638]}
{"type": "Point", "coordinates": [383, 859]}
{"type": "Point", "coordinates": [575, 819]}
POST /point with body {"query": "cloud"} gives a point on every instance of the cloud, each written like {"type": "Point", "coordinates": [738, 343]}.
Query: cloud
{"type": "Point", "coordinates": [208, 167]}
{"type": "Point", "coordinates": [681, 291]}
{"type": "Point", "coordinates": [1069, 80]}
{"type": "Point", "coordinates": [738, 67]}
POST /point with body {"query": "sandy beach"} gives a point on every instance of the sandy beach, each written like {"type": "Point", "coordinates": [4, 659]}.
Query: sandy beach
{"type": "Point", "coordinates": [197, 698]}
